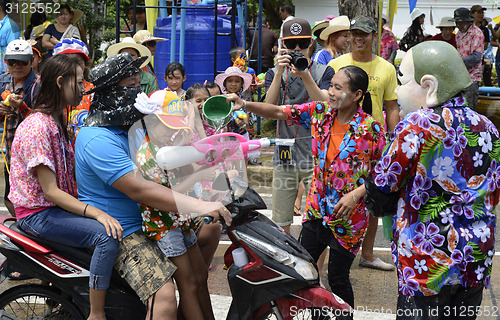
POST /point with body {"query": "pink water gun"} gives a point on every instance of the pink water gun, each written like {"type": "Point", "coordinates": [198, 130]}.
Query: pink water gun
{"type": "Point", "coordinates": [211, 151]}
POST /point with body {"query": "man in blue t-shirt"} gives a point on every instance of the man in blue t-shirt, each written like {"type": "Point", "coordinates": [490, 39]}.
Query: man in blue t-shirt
{"type": "Point", "coordinates": [109, 180]}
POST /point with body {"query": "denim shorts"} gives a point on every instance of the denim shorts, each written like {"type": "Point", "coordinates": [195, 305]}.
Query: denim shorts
{"type": "Point", "coordinates": [176, 242]}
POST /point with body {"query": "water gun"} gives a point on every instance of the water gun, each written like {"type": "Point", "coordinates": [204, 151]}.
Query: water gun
{"type": "Point", "coordinates": [241, 62]}
{"type": "Point", "coordinates": [5, 96]}
{"type": "Point", "coordinates": [261, 77]}
{"type": "Point", "coordinates": [210, 151]}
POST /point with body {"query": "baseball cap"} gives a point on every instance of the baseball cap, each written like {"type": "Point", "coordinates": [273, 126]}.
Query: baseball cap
{"type": "Point", "coordinates": [364, 23]}
{"type": "Point", "coordinates": [171, 113]}
{"type": "Point", "coordinates": [296, 28]}
{"type": "Point", "coordinates": [476, 8]}
{"type": "Point", "coordinates": [18, 50]}
{"type": "Point", "coordinates": [462, 15]}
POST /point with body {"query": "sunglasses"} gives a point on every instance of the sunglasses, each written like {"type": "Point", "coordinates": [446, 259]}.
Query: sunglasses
{"type": "Point", "coordinates": [150, 44]}
{"type": "Point", "coordinates": [12, 62]}
{"type": "Point", "coordinates": [292, 43]}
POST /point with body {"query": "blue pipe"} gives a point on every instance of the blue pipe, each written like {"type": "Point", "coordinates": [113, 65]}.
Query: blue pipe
{"type": "Point", "coordinates": [163, 11]}
{"type": "Point", "coordinates": [183, 33]}
{"type": "Point", "coordinates": [173, 33]}
{"type": "Point", "coordinates": [489, 90]}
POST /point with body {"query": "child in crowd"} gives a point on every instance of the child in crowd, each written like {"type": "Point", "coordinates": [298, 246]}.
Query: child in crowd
{"type": "Point", "coordinates": [198, 94]}
{"type": "Point", "coordinates": [233, 80]}
{"type": "Point", "coordinates": [174, 232]}
{"type": "Point", "coordinates": [175, 75]}
{"type": "Point", "coordinates": [239, 59]}
{"type": "Point", "coordinates": [213, 88]}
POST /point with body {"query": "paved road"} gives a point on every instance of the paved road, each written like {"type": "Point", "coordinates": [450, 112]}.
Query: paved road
{"type": "Point", "coordinates": [375, 291]}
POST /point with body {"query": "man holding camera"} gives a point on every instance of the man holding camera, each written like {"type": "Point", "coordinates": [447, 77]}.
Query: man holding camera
{"type": "Point", "coordinates": [381, 85]}
{"type": "Point", "coordinates": [295, 80]}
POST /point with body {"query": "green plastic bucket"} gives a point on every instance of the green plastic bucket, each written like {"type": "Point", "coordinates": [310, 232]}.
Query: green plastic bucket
{"type": "Point", "coordinates": [217, 112]}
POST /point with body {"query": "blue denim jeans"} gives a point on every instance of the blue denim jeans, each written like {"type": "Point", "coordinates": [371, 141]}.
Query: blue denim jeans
{"type": "Point", "coordinates": [58, 225]}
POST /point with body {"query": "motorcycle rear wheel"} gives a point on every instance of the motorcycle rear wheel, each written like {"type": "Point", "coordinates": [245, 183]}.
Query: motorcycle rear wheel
{"type": "Point", "coordinates": [36, 302]}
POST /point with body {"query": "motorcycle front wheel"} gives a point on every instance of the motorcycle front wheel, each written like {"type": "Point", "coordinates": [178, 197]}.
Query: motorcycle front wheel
{"type": "Point", "coordinates": [36, 302]}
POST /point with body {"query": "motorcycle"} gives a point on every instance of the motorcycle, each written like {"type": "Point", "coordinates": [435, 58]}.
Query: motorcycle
{"type": "Point", "coordinates": [277, 278]}
{"type": "Point", "coordinates": [60, 289]}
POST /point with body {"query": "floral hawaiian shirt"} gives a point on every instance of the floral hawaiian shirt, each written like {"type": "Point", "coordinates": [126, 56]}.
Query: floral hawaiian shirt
{"type": "Point", "coordinates": [359, 151]}
{"type": "Point", "coordinates": [472, 40]}
{"type": "Point", "coordinates": [387, 43]}
{"type": "Point", "coordinates": [445, 164]}
{"type": "Point", "coordinates": [156, 223]}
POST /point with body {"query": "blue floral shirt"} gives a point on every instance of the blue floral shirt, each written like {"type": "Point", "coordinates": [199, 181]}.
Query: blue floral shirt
{"type": "Point", "coordinates": [445, 164]}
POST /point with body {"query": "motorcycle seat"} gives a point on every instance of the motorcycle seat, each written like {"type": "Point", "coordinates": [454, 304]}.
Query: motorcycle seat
{"type": "Point", "coordinates": [80, 255]}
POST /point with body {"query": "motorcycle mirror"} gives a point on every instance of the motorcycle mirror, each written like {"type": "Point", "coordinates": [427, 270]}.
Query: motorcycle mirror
{"type": "Point", "coordinates": [221, 182]}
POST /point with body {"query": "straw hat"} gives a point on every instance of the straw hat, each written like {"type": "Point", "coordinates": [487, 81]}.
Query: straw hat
{"type": "Point", "coordinates": [77, 15]}
{"type": "Point", "coordinates": [446, 22]}
{"type": "Point", "coordinates": [142, 36]}
{"type": "Point", "coordinates": [234, 71]}
{"type": "Point", "coordinates": [319, 26]}
{"type": "Point", "coordinates": [335, 25]}
{"type": "Point", "coordinates": [128, 42]}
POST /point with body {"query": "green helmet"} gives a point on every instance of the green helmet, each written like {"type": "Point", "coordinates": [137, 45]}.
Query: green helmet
{"type": "Point", "coordinates": [441, 60]}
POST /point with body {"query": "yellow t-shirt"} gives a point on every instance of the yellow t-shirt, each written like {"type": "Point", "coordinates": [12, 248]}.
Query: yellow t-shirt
{"type": "Point", "coordinates": [382, 82]}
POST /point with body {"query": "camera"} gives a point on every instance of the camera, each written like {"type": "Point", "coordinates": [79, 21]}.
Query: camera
{"type": "Point", "coordinates": [298, 60]}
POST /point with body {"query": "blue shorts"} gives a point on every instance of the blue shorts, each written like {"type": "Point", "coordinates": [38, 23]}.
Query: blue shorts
{"type": "Point", "coordinates": [176, 242]}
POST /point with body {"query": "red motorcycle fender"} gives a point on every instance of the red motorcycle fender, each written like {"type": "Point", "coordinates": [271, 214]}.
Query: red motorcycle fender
{"type": "Point", "coordinates": [314, 297]}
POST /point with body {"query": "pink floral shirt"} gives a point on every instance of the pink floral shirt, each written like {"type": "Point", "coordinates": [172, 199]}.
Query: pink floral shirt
{"type": "Point", "coordinates": [359, 151]}
{"type": "Point", "coordinates": [472, 40]}
{"type": "Point", "coordinates": [38, 140]}
{"type": "Point", "coordinates": [388, 43]}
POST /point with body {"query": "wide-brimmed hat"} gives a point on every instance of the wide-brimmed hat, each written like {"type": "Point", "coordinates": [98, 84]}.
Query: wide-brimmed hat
{"type": "Point", "coordinates": [446, 22]}
{"type": "Point", "coordinates": [77, 14]}
{"type": "Point", "coordinates": [296, 29]}
{"type": "Point", "coordinates": [18, 50]}
{"type": "Point", "coordinates": [113, 69]}
{"type": "Point", "coordinates": [416, 13]}
{"type": "Point", "coordinates": [128, 42]}
{"type": "Point", "coordinates": [143, 36]}
{"type": "Point", "coordinates": [171, 113]}
{"type": "Point", "coordinates": [231, 72]}
{"type": "Point", "coordinates": [70, 45]}
{"type": "Point", "coordinates": [318, 27]}
{"type": "Point", "coordinates": [335, 25]}
{"type": "Point", "coordinates": [462, 15]}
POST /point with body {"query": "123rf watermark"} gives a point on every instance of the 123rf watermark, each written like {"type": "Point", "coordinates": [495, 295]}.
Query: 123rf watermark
{"type": "Point", "coordinates": [446, 311]}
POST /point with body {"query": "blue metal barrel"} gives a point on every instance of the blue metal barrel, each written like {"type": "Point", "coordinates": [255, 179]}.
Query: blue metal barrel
{"type": "Point", "coordinates": [199, 52]}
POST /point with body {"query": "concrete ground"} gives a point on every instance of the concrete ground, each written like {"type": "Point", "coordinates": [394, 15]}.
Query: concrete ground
{"type": "Point", "coordinates": [375, 291]}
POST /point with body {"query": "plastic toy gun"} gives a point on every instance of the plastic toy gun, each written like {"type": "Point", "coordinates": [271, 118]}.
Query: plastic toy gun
{"type": "Point", "coordinates": [210, 151]}
{"type": "Point", "coordinates": [261, 77]}
{"type": "Point", "coordinates": [240, 115]}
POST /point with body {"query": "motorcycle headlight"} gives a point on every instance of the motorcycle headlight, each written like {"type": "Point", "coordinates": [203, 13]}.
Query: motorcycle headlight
{"type": "Point", "coordinates": [301, 266]}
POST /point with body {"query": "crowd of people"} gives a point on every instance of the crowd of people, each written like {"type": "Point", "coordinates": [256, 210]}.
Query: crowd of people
{"type": "Point", "coordinates": [347, 134]}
